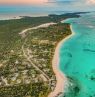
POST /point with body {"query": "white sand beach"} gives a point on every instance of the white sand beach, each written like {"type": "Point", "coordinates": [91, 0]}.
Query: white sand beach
{"type": "Point", "coordinates": [9, 17]}
{"type": "Point", "coordinates": [60, 77]}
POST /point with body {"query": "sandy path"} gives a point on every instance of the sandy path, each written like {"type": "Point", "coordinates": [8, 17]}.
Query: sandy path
{"type": "Point", "coordinates": [22, 33]}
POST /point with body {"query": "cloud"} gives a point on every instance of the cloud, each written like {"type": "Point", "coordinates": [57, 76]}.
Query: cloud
{"type": "Point", "coordinates": [60, 1]}
{"type": "Point", "coordinates": [90, 1]}
{"type": "Point", "coordinates": [81, 2]}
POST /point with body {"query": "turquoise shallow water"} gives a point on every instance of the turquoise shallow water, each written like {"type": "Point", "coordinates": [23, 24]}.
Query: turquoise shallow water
{"type": "Point", "coordinates": [77, 57]}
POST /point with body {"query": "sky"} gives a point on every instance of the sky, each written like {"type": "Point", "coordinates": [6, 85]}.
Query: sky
{"type": "Point", "coordinates": [44, 1]}
{"type": "Point", "coordinates": [23, 1]}
{"type": "Point", "coordinates": [82, 5]}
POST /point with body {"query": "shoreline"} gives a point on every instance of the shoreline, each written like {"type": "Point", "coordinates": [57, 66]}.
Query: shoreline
{"type": "Point", "coordinates": [20, 16]}
{"type": "Point", "coordinates": [60, 77]}
{"type": "Point", "coordinates": [12, 17]}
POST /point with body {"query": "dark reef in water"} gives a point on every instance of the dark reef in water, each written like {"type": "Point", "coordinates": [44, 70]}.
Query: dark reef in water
{"type": "Point", "coordinates": [73, 87]}
{"type": "Point", "coordinates": [89, 50]}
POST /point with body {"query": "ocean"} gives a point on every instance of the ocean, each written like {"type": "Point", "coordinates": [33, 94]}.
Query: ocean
{"type": "Point", "coordinates": [77, 57]}
{"type": "Point", "coordinates": [16, 11]}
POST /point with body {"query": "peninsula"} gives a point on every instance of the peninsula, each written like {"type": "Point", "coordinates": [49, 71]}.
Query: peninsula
{"type": "Point", "coordinates": [27, 48]}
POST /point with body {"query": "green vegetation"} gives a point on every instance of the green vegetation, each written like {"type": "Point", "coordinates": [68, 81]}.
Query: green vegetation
{"type": "Point", "coordinates": [23, 90]}
{"type": "Point", "coordinates": [25, 63]}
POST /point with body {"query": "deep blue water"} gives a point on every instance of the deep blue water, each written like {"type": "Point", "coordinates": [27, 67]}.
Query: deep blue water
{"type": "Point", "coordinates": [77, 57]}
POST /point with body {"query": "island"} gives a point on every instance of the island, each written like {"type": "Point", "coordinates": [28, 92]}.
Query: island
{"type": "Point", "coordinates": [27, 47]}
